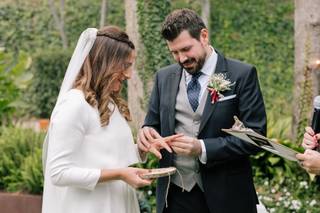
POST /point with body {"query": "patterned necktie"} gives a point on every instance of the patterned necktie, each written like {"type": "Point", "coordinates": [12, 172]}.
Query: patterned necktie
{"type": "Point", "coordinates": [193, 91]}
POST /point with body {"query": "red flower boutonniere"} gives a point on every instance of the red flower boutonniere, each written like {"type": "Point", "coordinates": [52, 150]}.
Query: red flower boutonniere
{"type": "Point", "coordinates": [217, 84]}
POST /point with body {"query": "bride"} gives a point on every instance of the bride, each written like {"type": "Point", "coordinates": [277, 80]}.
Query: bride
{"type": "Point", "coordinates": [89, 145]}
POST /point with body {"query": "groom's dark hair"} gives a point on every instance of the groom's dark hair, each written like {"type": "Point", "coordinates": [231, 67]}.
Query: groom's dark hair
{"type": "Point", "coordinates": [180, 20]}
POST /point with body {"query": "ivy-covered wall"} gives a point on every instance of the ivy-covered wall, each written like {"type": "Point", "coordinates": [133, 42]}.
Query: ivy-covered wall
{"type": "Point", "coordinates": [48, 71]}
{"type": "Point", "coordinates": [261, 33]}
{"type": "Point", "coordinates": [154, 53]}
{"type": "Point", "coordinates": [254, 31]}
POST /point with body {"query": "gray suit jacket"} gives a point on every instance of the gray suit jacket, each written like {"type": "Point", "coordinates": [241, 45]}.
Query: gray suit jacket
{"type": "Point", "coordinates": [227, 175]}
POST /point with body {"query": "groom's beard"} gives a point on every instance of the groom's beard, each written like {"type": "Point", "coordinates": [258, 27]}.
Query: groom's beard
{"type": "Point", "coordinates": [197, 64]}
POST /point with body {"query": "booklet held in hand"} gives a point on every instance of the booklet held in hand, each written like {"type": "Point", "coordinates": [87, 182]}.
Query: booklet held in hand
{"type": "Point", "coordinates": [246, 134]}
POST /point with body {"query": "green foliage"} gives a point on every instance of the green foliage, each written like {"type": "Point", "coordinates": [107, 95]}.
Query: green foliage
{"type": "Point", "coordinates": [8, 94]}
{"type": "Point", "coordinates": [77, 21]}
{"type": "Point", "coordinates": [154, 54]}
{"type": "Point", "coordinates": [294, 194]}
{"type": "Point", "coordinates": [13, 80]}
{"type": "Point", "coordinates": [31, 171]}
{"type": "Point", "coordinates": [26, 27]}
{"type": "Point", "coordinates": [150, 191]}
{"type": "Point", "coordinates": [144, 203]}
{"type": "Point", "coordinates": [116, 14]}
{"type": "Point", "coordinates": [29, 27]}
{"type": "Point", "coordinates": [194, 5]}
{"type": "Point", "coordinates": [48, 68]}
{"type": "Point", "coordinates": [20, 160]}
{"type": "Point", "coordinates": [261, 33]}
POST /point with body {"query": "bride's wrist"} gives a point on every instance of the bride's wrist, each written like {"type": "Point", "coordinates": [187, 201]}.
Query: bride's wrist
{"type": "Point", "coordinates": [122, 174]}
{"type": "Point", "coordinates": [111, 174]}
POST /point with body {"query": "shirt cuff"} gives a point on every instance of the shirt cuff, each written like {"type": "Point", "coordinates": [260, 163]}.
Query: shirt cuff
{"type": "Point", "coordinates": [96, 173]}
{"type": "Point", "coordinates": [203, 156]}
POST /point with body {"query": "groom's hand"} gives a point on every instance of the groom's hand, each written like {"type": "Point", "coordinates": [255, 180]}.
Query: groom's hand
{"type": "Point", "coordinates": [149, 140]}
{"type": "Point", "coordinates": [186, 145]}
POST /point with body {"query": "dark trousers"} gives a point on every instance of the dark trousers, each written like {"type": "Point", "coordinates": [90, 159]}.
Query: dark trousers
{"type": "Point", "coordinates": [186, 202]}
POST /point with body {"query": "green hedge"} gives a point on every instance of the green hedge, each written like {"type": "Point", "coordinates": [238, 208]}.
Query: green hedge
{"type": "Point", "coordinates": [154, 53]}
{"type": "Point", "coordinates": [14, 78]}
{"type": "Point", "coordinates": [261, 33]}
{"type": "Point", "coordinates": [48, 68]}
{"type": "Point", "coordinates": [20, 160]}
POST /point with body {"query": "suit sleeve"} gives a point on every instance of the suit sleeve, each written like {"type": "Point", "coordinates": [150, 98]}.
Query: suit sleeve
{"type": "Point", "coordinates": [153, 115]}
{"type": "Point", "coordinates": [251, 113]}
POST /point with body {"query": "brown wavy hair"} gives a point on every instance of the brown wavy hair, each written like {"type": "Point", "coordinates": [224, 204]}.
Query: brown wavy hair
{"type": "Point", "coordinates": [103, 66]}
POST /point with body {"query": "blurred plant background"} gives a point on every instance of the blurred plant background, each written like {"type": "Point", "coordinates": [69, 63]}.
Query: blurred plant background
{"type": "Point", "coordinates": [37, 38]}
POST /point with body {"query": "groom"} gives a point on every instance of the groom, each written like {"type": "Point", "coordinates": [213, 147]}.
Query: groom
{"type": "Point", "coordinates": [215, 170]}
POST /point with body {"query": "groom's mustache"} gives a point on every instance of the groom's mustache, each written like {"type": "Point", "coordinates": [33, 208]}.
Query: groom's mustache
{"type": "Point", "coordinates": [188, 61]}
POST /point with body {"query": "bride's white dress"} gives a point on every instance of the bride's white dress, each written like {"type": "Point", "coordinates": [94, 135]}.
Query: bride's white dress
{"type": "Point", "coordinates": [78, 149]}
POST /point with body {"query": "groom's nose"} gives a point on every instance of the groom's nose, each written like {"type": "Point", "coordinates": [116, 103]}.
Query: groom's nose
{"type": "Point", "coordinates": [182, 58]}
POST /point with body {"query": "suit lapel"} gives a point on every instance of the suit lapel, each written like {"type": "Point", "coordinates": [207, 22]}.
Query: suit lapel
{"type": "Point", "coordinates": [209, 108]}
{"type": "Point", "coordinates": [173, 87]}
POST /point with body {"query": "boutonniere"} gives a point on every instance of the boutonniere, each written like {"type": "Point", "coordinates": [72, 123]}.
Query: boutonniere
{"type": "Point", "coordinates": [218, 83]}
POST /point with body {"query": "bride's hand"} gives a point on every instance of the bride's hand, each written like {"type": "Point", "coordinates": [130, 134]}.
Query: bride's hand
{"type": "Point", "coordinates": [162, 143]}
{"type": "Point", "coordinates": [132, 176]}
{"type": "Point", "coordinates": [149, 140]}
{"type": "Point", "coordinates": [145, 137]}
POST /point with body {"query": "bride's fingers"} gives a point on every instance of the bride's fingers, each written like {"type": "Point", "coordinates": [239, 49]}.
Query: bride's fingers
{"type": "Point", "coordinates": [143, 143]}
{"type": "Point", "coordinates": [147, 133]}
{"type": "Point", "coordinates": [143, 147]}
{"type": "Point", "coordinates": [143, 171]}
{"type": "Point", "coordinates": [161, 143]}
{"type": "Point", "coordinates": [147, 181]}
{"type": "Point", "coordinates": [154, 151]}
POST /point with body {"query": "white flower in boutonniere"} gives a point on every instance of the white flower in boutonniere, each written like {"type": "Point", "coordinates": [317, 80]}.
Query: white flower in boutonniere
{"type": "Point", "coordinates": [218, 83]}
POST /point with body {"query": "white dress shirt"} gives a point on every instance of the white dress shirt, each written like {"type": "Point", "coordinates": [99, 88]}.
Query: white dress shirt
{"type": "Point", "coordinates": [207, 71]}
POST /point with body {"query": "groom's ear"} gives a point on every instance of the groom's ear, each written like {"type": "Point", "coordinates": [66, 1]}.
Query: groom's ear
{"type": "Point", "coordinates": [204, 36]}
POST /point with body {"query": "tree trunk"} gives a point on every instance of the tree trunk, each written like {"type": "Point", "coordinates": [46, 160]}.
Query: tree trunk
{"type": "Point", "coordinates": [307, 51]}
{"type": "Point", "coordinates": [59, 21]}
{"type": "Point", "coordinates": [103, 12]}
{"type": "Point", "coordinates": [205, 12]}
{"type": "Point", "coordinates": [135, 85]}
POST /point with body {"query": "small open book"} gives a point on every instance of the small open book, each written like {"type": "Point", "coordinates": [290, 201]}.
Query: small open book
{"type": "Point", "coordinates": [238, 130]}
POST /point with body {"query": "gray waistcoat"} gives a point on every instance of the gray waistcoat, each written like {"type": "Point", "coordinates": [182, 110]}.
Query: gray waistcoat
{"type": "Point", "coordinates": [188, 123]}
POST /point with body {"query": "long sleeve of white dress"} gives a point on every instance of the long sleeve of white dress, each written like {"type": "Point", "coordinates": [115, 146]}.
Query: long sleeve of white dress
{"type": "Point", "coordinates": [77, 149]}
{"type": "Point", "coordinates": [67, 131]}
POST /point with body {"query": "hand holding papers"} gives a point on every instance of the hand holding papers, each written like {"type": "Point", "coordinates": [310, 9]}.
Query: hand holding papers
{"type": "Point", "coordinates": [238, 130]}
